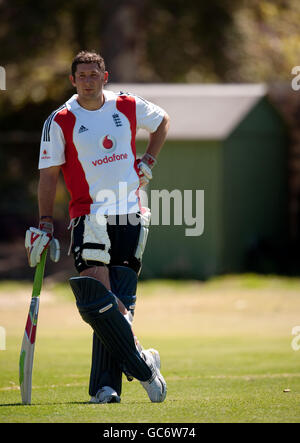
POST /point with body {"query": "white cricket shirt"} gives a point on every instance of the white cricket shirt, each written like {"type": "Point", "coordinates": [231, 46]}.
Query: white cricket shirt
{"type": "Point", "coordinates": [96, 151]}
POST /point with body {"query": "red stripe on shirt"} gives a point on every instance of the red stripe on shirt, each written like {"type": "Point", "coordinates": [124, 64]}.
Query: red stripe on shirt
{"type": "Point", "coordinates": [126, 104]}
{"type": "Point", "coordinates": [72, 169]}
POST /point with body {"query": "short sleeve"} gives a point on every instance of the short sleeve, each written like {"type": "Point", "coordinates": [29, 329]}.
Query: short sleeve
{"type": "Point", "coordinates": [148, 115]}
{"type": "Point", "coordinates": [52, 148]}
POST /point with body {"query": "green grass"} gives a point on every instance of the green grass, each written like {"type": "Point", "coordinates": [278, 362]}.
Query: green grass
{"type": "Point", "coordinates": [225, 347]}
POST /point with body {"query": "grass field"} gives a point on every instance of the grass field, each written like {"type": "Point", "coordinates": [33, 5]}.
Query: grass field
{"type": "Point", "coordinates": [225, 347]}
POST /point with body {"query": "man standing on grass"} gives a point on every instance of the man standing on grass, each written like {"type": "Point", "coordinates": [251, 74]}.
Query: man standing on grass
{"type": "Point", "coordinates": [91, 138]}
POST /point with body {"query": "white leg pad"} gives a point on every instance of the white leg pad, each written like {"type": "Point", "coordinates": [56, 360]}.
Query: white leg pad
{"type": "Point", "coordinates": [95, 232]}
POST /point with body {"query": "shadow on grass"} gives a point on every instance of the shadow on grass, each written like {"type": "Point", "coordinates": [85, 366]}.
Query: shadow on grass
{"type": "Point", "coordinates": [46, 404]}
{"type": "Point", "coordinates": [3, 405]}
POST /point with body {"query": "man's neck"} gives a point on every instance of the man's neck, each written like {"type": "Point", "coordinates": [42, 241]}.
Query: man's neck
{"type": "Point", "coordinates": [91, 104]}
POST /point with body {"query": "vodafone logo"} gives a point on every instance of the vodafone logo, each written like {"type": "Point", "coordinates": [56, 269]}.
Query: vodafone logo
{"type": "Point", "coordinates": [45, 155]}
{"type": "Point", "coordinates": [108, 143]}
{"type": "Point", "coordinates": [110, 159]}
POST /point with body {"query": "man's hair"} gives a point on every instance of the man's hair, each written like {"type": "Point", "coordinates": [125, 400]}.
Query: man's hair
{"type": "Point", "coordinates": [87, 57]}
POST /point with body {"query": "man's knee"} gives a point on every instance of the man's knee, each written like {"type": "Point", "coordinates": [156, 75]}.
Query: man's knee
{"type": "Point", "coordinates": [100, 273]}
{"type": "Point", "coordinates": [92, 297]}
{"type": "Point", "coordinates": [98, 307]}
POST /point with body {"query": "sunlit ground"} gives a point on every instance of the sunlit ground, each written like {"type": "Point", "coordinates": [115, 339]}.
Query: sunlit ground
{"type": "Point", "coordinates": [226, 345]}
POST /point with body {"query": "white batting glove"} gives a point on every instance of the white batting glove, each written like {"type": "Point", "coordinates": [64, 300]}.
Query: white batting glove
{"type": "Point", "coordinates": [145, 164]}
{"type": "Point", "coordinates": [37, 240]}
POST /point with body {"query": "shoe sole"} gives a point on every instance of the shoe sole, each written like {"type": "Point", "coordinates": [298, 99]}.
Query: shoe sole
{"type": "Point", "coordinates": [163, 386]}
{"type": "Point", "coordinates": [110, 399]}
{"type": "Point", "coordinates": [114, 399]}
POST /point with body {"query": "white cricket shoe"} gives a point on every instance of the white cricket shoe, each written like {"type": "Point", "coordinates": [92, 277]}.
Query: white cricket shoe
{"type": "Point", "coordinates": [106, 395]}
{"type": "Point", "coordinates": [156, 387]}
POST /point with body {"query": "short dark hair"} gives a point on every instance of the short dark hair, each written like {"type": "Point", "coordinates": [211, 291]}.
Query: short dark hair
{"type": "Point", "coordinates": [87, 57]}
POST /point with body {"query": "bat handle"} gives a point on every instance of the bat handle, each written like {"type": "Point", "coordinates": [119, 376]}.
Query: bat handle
{"type": "Point", "coordinates": [39, 275]}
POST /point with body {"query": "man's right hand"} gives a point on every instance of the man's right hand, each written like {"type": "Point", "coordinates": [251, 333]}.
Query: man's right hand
{"type": "Point", "coordinates": [37, 240]}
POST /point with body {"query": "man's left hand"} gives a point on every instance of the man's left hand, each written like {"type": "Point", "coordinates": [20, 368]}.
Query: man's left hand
{"type": "Point", "coordinates": [145, 165]}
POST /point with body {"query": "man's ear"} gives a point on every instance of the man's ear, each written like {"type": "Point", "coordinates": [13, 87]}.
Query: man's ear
{"type": "Point", "coordinates": [72, 80]}
{"type": "Point", "coordinates": [105, 77]}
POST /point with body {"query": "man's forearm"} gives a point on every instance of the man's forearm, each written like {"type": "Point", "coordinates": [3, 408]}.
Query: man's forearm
{"type": "Point", "coordinates": [157, 138]}
{"type": "Point", "coordinates": [47, 191]}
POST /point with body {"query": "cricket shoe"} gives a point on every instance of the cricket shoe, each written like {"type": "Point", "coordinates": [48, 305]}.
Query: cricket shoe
{"type": "Point", "coordinates": [106, 395]}
{"type": "Point", "coordinates": [156, 387]}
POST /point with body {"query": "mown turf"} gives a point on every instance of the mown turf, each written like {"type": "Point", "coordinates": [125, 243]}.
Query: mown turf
{"type": "Point", "coordinates": [225, 347]}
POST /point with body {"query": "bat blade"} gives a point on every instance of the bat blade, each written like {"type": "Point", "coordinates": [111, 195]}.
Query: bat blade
{"type": "Point", "coordinates": [28, 343]}
{"type": "Point", "coordinates": [27, 351]}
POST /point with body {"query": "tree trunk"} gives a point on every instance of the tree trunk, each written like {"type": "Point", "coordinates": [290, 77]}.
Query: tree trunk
{"type": "Point", "coordinates": [122, 40]}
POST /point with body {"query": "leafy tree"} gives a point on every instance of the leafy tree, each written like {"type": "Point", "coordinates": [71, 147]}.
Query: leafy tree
{"type": "Point", "coordinates": [141, 41]}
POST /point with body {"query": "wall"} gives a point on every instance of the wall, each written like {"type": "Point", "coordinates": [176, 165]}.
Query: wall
{"type": "Point", "coordinates": [255, 190]}
{"type": "Point", "coordinates": [186, 165]}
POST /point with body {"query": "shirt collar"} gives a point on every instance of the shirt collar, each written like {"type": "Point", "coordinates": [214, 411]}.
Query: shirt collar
{"type": "Point", "coordinates": [73, 104]}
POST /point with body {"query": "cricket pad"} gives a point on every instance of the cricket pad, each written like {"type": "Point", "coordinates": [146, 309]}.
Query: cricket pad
{"type": "Point", "coordinates": [99, 308]}
{"type": "Point", "coordinates": [105, 370]}
{"type": "Point", "coordinates": [123, 281]}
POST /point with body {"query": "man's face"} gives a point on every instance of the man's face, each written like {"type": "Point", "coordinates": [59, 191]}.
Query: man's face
{"type": "Point", "coordinates": [89, 80]}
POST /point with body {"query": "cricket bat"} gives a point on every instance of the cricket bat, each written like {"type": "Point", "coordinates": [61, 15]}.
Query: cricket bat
{"type": "Point", "coordinates": [27, 350]}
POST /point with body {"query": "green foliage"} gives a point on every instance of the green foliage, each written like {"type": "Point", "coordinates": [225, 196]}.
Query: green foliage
{"type": "Point", "coordinates": [160, 40]}
{"type": "Point", "coordinates": [141, 41]}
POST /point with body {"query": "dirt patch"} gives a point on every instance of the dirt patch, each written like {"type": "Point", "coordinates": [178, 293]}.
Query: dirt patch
{"type": "Point", "coordinates": [19, 298]}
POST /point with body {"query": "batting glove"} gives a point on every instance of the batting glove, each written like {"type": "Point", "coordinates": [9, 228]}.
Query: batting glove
{"type": "Point", "coordinates": [39, 239]}
{"type": "Point", "coordinates": [145, 165]}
